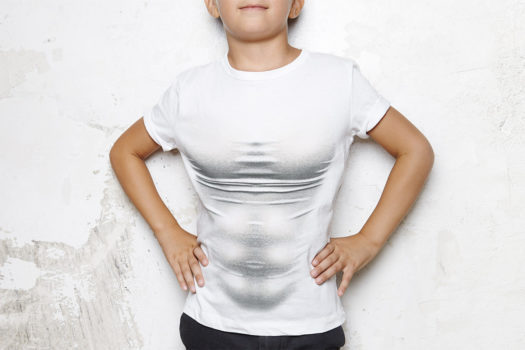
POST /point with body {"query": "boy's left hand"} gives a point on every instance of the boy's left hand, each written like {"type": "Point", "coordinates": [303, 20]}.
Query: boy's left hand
{"type": "Point", "coordinates": [349, 254]}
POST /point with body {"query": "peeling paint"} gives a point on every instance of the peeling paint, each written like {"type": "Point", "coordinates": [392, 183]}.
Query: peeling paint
{"type": "Point", "coordinates": [68, 297]}
{"type": "Point", "coordinates": [18, 274]}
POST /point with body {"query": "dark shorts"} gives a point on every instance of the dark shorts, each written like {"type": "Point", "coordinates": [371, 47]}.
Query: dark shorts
{"type": "Point", "coordinates": [196, 336]}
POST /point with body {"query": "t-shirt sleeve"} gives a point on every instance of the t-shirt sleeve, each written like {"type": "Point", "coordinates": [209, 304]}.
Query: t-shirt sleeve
{"type": "Point", "coordinates": [367, 105]}
{"type": "Point", "coordinates": [159, 120]}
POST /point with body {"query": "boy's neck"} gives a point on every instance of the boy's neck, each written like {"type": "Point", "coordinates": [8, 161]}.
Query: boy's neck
{"type": "Point", "coordinates": [258, 59]}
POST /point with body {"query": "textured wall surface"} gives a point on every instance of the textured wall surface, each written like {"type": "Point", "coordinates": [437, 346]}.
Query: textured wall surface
{"type": "Point", "coordinates": [79, 267]}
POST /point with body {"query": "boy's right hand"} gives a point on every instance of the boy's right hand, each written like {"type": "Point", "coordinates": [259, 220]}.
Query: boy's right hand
{"type": "Point", "coordinates": [182, 251]}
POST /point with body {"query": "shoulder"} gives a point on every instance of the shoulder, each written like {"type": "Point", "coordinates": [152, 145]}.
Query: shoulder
{"type": "Point", "coordinates": [324, 60]}
{"type": "Point", "coordinates": [331, 59]}
{"type": "Point", "coordinates": [193, 73]}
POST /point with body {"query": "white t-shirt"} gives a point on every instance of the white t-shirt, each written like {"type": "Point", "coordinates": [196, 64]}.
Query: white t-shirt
{"type": "Point", "coordinates": [265, 152]}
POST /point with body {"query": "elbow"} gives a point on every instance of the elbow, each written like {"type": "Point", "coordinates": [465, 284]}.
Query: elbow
{"type": "Point", "coordinates": [431, 155]}
{"type": "Point", "coordinates": [425, 154]}
{"type": "Point", "coordinates": [115, 153]}
{"type": "Point", "coordinates": [121, 152]}
{"type": "Point", "coordinates": [421, 152]}
{"type": "Point", "coordinates": [112, 157]}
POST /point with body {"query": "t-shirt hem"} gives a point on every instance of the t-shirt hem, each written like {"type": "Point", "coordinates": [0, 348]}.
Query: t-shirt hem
{"type": "Point", "coordinates": [374, 116]}
{"type": "Point", "coordinates": [225, 324]}
{"type": "Point", "coordinates": [151, 131]}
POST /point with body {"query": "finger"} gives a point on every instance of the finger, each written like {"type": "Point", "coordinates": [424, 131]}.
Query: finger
{"type": "Point", "coordinates": [188, 276]}
{"type": "Point", "coordinates": [345, 281]}
{"type": "Point", "coordinates": [196, 269]}
{"type": "Point", "coordinates": [327, 250]}
{"type": "Point", "coordinates": [180, 277]}
{"type": "Point", "coordinates": [199, 253]}
{"type": "Point", "coordinates": [328, 273]}
{"type": "Point", "coordinates": [326, 263]}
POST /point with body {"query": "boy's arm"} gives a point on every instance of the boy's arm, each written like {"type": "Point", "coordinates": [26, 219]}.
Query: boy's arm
{"type": "Point", "coordinates": [414, 160]}
{"type": "Point", "coordinates": [180, 247]}
{"type": "Point", "coordinates": [127, 158]}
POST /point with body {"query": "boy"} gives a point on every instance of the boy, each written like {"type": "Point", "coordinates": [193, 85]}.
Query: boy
{"type": "Point", "coordinates": [264, 133]}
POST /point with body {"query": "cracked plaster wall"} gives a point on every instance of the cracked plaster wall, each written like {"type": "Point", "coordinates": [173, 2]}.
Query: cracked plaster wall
{"type": "Point", "coordinates": [79, 267]}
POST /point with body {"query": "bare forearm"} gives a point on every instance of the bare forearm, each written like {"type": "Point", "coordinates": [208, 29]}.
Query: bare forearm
{"type": "Point", "coordinates": [137, 183]}
{"type": "Point", "coordinates": [403, 186]}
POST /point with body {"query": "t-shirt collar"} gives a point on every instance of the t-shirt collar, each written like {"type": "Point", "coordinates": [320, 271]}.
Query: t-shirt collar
{"type": "Point", "coordinates": [272, 73]}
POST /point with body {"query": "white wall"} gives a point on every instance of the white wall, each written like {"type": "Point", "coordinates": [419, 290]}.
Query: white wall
{"type": "Point", "coordinates": [79, 267]}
